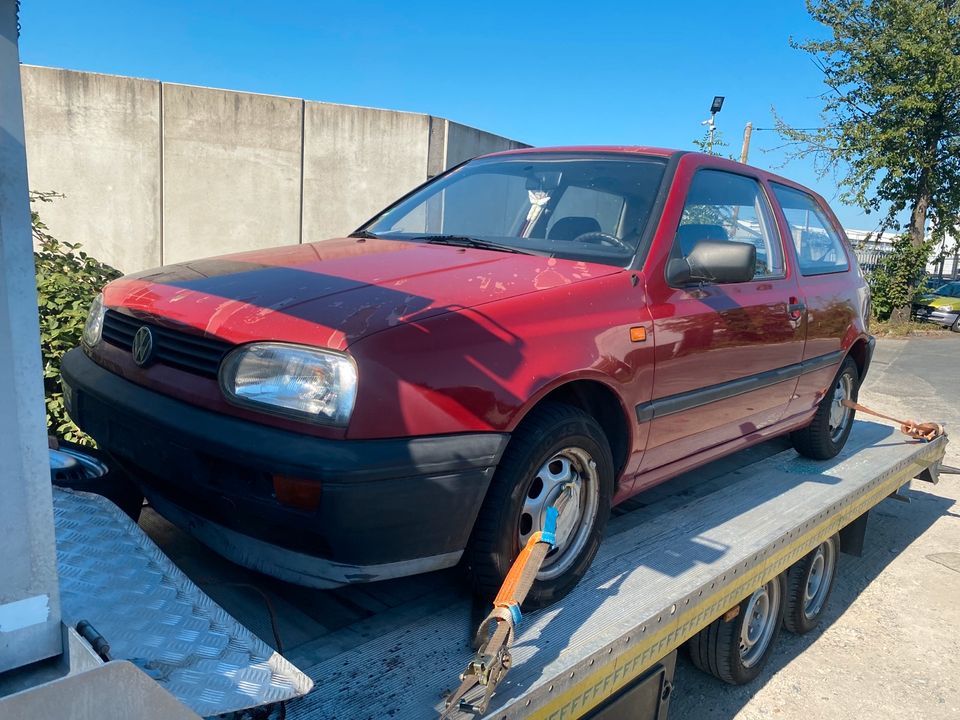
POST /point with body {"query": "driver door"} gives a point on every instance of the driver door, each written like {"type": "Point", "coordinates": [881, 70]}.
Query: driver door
{"type": "Point", "coordinates": [725, 354]}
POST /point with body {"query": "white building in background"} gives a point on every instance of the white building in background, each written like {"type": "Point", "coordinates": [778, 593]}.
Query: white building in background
{"type": "Point", "coordinates": [871, 246]}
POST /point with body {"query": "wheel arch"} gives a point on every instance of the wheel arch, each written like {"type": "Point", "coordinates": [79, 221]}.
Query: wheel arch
{"type": "Point", "coordinates": [859, 354]}
{"type": "Point", "coordinates": [603, 403]}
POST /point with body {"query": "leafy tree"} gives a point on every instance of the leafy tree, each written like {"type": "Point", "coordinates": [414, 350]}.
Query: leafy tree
{"type": "Point", "coordinates": [67, 281]}
{"type": "Point", "coordinates": [897, 274]}
{"type": "Point", "coordinates": [715, 146]}
{"type": "Point", "coordinates": [891, 110]}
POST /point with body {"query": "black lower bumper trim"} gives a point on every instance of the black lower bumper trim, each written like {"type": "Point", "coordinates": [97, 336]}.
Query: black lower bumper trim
{"type": "Point", "coordinates": [381, 501]}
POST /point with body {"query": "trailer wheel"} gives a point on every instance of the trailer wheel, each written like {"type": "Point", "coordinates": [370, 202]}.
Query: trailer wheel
{"type": "Point", "coordinates": [556, 444]}
{"type": "Point", "coordinates": [827, 433]}
{"type": "Point", "coordinates": [736, 650]}
{"type": "Point", "coordinates": [809, 583]}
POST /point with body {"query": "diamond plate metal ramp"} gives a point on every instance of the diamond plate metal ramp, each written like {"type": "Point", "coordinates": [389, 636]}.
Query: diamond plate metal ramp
{"type": "Point", "coordinates": [113, 575]}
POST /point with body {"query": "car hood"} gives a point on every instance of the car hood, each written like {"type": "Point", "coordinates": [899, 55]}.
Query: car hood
{"type": "Point", "coordinates": [335, 292]}
{"type": "Point", "coordinates": [937, 301]}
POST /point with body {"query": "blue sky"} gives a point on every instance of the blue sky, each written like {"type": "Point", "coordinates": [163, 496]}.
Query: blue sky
{"type": "Point", "coordinates": [549, 73]}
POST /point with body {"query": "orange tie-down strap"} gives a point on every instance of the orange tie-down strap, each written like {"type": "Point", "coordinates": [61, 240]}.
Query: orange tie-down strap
{"type": "Point", "coordinates": [917, 430]}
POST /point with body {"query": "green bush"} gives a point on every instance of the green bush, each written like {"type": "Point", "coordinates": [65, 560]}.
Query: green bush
{"type": "Point", "coordinates": [67, 281]}
{"type": "Point", "coordinates": [898, 277]}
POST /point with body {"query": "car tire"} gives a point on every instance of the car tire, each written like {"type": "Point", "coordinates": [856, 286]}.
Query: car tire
{"type": "Point", "coordinates": [554, 441]}
{"type": "Point", "coordinates": [956, 325]}
{"type": "Point", "coordinates": [721, 648]}
{"type": "Point", "coordinates": [809, 584]}
{"type": "Point", "coordinates": [827, 433]}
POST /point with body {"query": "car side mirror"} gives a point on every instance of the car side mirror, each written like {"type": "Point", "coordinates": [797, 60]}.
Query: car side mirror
{"type": "Point", "coordinates": [714, 261]}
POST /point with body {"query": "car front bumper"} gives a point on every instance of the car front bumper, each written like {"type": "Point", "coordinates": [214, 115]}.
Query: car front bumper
{"type": "Point", "coordinates": [932, 314]}
{"type": "Point", "coordinates": [387, 507]}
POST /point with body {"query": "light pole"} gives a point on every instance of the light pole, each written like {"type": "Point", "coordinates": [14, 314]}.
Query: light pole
{"type": "Point", "coordinates": [715, 107]}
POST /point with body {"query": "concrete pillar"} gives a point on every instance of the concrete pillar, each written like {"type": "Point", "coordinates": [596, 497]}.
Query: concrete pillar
{"type": "Point", "coordinates": [29, 593]}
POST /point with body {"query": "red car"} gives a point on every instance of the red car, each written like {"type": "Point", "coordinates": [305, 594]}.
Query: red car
{"type": "Point", "coordinates": [595, 320]}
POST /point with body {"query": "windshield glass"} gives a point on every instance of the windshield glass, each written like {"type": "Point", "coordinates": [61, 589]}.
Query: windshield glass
{"type": "Point", "coordinates": [578, 206]}
{"type": "Point", "coordinates": [948, 290]}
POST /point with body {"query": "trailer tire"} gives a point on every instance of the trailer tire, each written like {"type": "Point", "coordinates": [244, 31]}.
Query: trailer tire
{"type": "Point", "coordinates": [827, 433]}
{"type": "Point", "coordinates": [718, 648]}
{"type": "Point", "coordinates": [545, 434]}
{"type": "Point", "coordinates": [809, 584]}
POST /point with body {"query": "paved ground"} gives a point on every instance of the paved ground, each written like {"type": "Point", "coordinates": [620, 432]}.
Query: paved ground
{"type": "Point", "coordinates": [889, 646]}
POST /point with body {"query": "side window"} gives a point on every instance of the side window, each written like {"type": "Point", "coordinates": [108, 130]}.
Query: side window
{"type": "Point", "coordinates": [585, 210]}
{"type": "Point", "coordinates": [819, 247]}
{"type": "Point", "coordinates": [725, 206]}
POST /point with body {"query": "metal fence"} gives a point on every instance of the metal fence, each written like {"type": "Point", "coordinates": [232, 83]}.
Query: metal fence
{"type": "Point", "coordinates": [939, 271]}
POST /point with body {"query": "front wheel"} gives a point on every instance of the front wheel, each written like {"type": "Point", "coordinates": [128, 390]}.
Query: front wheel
{"type": "Point", "coordinates": [557, 446]}
{"type": "Point", "coordinates": [827, 433]}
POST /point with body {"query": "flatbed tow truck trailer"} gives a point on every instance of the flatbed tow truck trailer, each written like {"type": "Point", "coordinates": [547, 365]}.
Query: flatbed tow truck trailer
{"type": "Point", "coordinates": [660, 577]}
{"type": "Point", "coordinates": [677, 560]}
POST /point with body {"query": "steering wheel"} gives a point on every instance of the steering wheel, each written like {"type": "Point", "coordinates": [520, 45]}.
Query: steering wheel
{"type": "Point", "coordinates": [602, 238]}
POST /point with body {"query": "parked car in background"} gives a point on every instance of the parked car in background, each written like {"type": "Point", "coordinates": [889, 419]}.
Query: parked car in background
{"type": "Point", "coordinates": [942, 306]}
{"type": "Point", "coordinates": [584, 320]}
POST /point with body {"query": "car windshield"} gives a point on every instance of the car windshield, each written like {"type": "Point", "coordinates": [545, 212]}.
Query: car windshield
{"type": "Point", "coordinates": [579, 206]}
{"type": "Point", "coordinates": [948, 290]}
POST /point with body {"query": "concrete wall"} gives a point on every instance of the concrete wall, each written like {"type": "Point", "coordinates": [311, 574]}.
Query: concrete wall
{"type": "Point", "coordinates": [355, 161]}
{"type": "Point", "coordinates": [465, 142]}
{"type": "Point", "coordinates": [157, 173]}
{"type": "Point", "coordinates": [231, 171]}
{"type": "Point", "coordinates": [96, 139]}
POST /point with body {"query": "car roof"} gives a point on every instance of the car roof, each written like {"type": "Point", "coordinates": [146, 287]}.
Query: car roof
{"type": "Point", "coordinates": [620, 149]}
{"type": "Point", "coordinates": [716, 161]}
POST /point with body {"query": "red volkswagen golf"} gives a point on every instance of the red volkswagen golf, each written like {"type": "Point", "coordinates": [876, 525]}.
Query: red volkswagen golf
{"type": "Point", "coordinates": [583, 320]}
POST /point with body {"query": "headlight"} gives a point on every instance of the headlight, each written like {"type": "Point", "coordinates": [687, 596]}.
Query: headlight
{"type": "Point", "coordinates": [94, 327]}
{"type": "Point", "coordinates": [947, 308]}
{"type": "Point", "coordinates": [300, 382]}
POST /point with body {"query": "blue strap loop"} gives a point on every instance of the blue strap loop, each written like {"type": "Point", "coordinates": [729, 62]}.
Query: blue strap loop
{"type": "Point", "coordinates": [549, 532]}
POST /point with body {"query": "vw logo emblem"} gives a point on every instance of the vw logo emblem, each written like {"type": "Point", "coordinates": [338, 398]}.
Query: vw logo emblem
{"type": "Point", "coordinates": [143, 346]}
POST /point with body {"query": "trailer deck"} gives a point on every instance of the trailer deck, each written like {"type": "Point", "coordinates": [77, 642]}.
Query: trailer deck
{"type": "Point", "coordinates": [674, 559]}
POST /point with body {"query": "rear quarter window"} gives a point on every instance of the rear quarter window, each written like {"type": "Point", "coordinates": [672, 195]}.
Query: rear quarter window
{"type": "Point", "coordinates": [819, 247]}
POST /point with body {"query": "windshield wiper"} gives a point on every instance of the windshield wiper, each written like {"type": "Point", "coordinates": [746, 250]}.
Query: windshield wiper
{"type": "Point", "coordinates": [467, 241]}
{"type": "Point", "coordinates": [365, 234]}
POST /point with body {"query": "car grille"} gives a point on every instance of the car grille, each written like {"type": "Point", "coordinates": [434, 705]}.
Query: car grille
{"type": "Point", "coordinates": [193, 353]}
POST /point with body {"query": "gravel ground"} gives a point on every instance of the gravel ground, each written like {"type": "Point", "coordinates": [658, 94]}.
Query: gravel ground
{"type": "Point", "coordinates": [889, 644]}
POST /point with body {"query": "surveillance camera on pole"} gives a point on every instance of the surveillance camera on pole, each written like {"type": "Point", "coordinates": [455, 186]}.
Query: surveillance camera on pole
{"type": "Point", "coordinates": [715, 107]}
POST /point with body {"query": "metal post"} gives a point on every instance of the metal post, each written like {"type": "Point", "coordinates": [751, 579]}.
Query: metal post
{"type": "Point", "coordinates": [29, 592]}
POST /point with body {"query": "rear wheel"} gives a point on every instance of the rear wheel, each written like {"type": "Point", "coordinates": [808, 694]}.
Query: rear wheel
{"type": "Point", "coordinates": [827, 433]}
{"type": "Point", "coordinates": [809, 583]}
{"type": "Point", "coordinates": [557, 446]}
{"type": "Point", "coordinates": [736, 650]}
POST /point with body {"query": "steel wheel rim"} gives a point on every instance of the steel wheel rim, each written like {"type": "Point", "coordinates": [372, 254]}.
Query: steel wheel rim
{"type": "Point", "coordinates": [840, 414]}
{"type": "Point", "coordinates": [819, 579]}
{"type": "Point", "coordinates": [759, 623]}
{"type": "Point", "coordinates": [570, 466]}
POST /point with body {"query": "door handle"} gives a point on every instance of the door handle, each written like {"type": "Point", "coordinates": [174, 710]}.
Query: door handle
{"type": "Point", "coordinates": [795, 308]}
